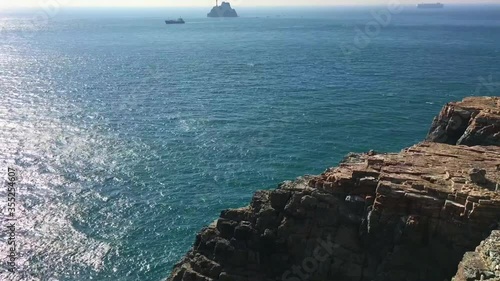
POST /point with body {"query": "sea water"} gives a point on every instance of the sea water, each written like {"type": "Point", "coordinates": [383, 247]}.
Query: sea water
{"type": "Point", "coordinates": [130, 135]}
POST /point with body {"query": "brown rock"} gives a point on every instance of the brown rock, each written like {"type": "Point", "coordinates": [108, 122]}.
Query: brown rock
{"type": "Point", "coordinates": [478, 176]}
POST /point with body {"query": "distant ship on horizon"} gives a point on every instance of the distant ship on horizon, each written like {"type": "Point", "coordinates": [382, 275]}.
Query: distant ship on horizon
{"type": "Point", "coordinates": [177, 21]}
{"type": "Point", "coordinates": [430, 6]}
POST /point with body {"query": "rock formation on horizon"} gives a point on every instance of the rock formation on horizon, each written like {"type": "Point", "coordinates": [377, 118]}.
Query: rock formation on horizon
{"type": "Point", "coordinates": [385, 217]}
{"type": "Point", "coordinates": [222, 11]}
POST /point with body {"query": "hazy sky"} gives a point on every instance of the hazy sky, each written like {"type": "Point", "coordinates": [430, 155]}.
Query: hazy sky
{"type": "Point", "coordinates": [236, 3]}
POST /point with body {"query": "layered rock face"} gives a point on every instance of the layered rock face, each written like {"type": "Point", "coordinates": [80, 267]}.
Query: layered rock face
{"type": "Point", "coordinates": [473, 121]}
{"type": "Point", "coordinates": [401, 216]}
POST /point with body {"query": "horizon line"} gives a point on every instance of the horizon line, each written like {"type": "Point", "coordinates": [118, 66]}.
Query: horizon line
{"type": "Point", "coordinates": [254, 6]}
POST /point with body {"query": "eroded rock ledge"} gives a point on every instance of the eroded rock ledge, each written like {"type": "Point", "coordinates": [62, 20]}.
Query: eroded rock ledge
{"type": "Point", "coordinates": [401, 216]}
{"type": "Point", "coordinates": [473, 121]}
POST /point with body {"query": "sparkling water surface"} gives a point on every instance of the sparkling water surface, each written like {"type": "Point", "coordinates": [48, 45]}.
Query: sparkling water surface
{"type": "Point", "coordinates": [130, 135]}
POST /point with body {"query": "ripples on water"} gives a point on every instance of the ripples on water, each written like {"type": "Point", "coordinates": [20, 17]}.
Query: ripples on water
{"type": "Point", "coordinates": [130, 136]}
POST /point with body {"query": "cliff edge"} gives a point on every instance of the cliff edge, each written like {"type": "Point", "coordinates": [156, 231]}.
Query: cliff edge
{"type": "Point", "coordinates": [473, 121]}
{"type": "Point", "coordinates": [398, 216]}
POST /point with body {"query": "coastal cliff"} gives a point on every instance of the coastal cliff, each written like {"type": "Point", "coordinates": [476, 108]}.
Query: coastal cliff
{"type": "Point", "coordinates": [398, 216]}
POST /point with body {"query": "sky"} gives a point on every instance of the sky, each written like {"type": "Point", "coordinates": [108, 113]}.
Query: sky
{"type": "Point", "coordinates": [207, 3]}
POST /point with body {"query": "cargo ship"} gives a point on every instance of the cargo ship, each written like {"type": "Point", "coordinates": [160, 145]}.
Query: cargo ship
{"type": "Point", "coordinates": [177, 21]}
{"type": "Point", "coordinates": [430, 6]}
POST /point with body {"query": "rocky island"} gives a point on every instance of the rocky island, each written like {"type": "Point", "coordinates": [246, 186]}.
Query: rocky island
{"type": "Point", "coordinates": [222, 11]}
{"type": "Point", "coordinates": [427, 213]}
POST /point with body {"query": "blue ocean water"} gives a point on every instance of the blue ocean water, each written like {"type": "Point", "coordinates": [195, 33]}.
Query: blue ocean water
{"type": "Point", "coordinates": [130, 135]}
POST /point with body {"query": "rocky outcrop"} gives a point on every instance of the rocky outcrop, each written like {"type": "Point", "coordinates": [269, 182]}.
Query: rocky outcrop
{"type": "Point", "coordinates": [400, 216]}
{"type": "Point", "coordinates": [473, 121]}
{"type": "Point", "coordinates": [223, 11]}
{"type": "Point", "coordinates": [484, 263]}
